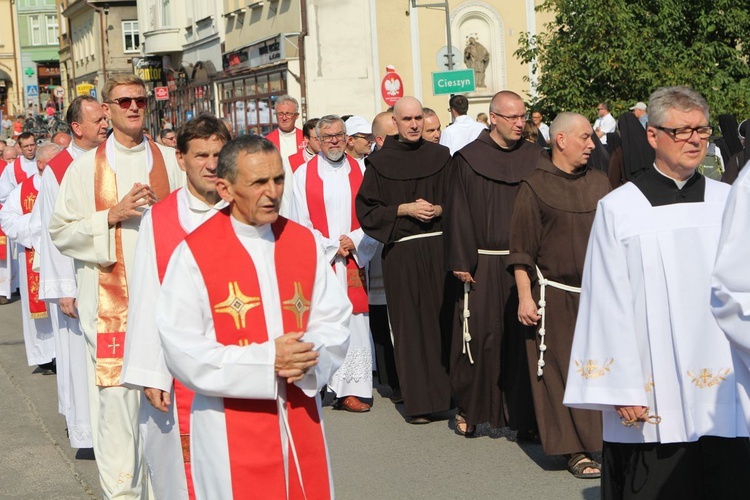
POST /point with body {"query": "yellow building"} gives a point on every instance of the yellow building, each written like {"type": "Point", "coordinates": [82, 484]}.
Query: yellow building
{"type": "Point", "coordinates": [11, 93]}
{"type": "Point", "coordinates": [333, 56]}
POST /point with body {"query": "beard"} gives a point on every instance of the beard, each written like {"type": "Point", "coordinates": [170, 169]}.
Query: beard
{"type": "Point", "coordinates": [335, 154]}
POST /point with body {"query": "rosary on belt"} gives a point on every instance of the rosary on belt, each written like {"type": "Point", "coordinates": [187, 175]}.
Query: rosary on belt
{"type": "Point", "coordinates": [649, 419]}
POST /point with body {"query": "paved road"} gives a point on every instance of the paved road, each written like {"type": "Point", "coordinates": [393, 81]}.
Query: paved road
{"type": "Point", "coordinates": [374, 456]}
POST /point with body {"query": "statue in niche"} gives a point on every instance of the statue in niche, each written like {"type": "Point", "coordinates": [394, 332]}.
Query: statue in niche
{"type": "Point", "coordinates": [477, 58]}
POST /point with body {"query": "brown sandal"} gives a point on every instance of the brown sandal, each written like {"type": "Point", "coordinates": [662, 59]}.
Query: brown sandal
{"type": "Point", "coordinates": [579, 462]}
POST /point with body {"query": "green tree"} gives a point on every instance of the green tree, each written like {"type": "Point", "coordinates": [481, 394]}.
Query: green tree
{"type": "Point", "coordinates": [622, 50]}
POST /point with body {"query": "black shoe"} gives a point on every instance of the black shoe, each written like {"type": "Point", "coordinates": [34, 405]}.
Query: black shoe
{"type": "Point", "coordinates": [48, 368]}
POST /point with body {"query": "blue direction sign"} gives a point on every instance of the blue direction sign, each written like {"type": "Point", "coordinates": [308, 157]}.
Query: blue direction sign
{"type": "Point", "coordinates": [32, 91]}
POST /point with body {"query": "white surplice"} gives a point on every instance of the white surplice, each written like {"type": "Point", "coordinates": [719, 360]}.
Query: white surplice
{"type": "Point", "coordinates": [354, 378]}
{"type": "Point", "coordinates": [215, 371]}
{"type": "Point", "coordinates": [144, 364]}
{"type": "Point", "coordinates": [8, 180]}
{"type": "Point", "coordinates": [57, 280]}
{"type": "Point", "coordinates": [80, 232]}
{"type": "Point", "coordinates": [645, 334]}
{"type": "Point", "coordinates": [730, 283]}
{"type": "Point", "coordinates": [37, 333]}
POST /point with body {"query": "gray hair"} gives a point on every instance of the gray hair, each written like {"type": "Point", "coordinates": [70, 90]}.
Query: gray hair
{"type": "Point", "coordinates": [286, 98]}
{"type": "Point", "coordinates": [428, 112]}
{"type": "Point", "coordinates": [681, 98]}
{"type": "Point", "coordinates": [562, 124]}
{"type": "Point", "coordinates": [249, 144]}
{"type": "Point", "coordinates": [327, 121]}
{"type": "Point", "coordinates": [47, 150]}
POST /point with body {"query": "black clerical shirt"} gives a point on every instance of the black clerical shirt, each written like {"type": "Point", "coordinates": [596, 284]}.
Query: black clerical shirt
{"type": "Point", "coordinates": [660, 190]}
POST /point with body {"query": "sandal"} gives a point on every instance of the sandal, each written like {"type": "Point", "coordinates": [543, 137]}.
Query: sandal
{"type": "Point", "coordinates": [463, 428]}
{"type": "Point", "coordinates": [579, 462]}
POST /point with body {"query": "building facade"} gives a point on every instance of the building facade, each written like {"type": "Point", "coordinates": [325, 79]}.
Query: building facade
{"type": "Point", "coordinates": [38, 34]}
{"type": "Point", "coordinates": [11, 90]}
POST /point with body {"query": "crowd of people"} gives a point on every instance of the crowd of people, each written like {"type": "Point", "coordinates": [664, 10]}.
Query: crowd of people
{"type": "Point", "coordinates": [199, 296]}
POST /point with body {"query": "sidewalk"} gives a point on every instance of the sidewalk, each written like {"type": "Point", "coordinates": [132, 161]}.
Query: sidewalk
{"type": "Point", "coordinates": [36, 460]}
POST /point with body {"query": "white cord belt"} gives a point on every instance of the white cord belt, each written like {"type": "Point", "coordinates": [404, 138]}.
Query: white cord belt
{"type": "Point", "coordinates": [467, 313]}
{"type": "Point", "coordinates": [543, 284]}
{"type": "Point", "coordinates": [417, 236]}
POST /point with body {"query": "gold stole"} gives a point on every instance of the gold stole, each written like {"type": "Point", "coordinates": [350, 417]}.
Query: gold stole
{"type": "Point", "coordinates": [113, 286]}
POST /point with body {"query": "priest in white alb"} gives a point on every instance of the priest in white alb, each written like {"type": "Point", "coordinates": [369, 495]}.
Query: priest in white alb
{"type": "Point", "coordinates": [57, 279]}
{"type": "Point", "coordinates": [20, 169]}
{"type": "Point", "coordinates": [647, 351]}
{"type": "Point", "coordinates": [324, 192]}
{"type": "Point", "coordinates": [288, 139]}
{"type": "Point", "coordinates": [15, 219]}
{"type": "Point", "coordinates": [95, 221]}
{"type": "Point", "coordinates": [165, 408]}
{"type": "Point", "coordinates": [252, 319]}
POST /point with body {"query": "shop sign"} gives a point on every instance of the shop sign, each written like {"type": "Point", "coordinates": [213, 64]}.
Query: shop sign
{"type": "Point", "coordinates": [259, 54]}
{"type": "Point", "coordinates": [148, 69]}
{"type": "Point", "coordinates": [161, 93]}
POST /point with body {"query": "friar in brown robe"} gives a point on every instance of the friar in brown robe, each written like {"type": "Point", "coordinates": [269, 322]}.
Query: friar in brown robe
{"type": "Point", "coordinates": [489, 376]}
{"type": "Point", "coordinates": [552, 217]}
{"type": "Point", "coordinates": [400, 204]}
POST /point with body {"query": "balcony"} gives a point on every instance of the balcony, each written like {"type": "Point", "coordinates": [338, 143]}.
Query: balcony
{"type": "Point", "coordinates": [163, 40]}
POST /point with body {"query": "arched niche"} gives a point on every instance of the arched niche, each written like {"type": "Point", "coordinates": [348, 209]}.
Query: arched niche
{"type": "Point", "coordinates": [482, 22]}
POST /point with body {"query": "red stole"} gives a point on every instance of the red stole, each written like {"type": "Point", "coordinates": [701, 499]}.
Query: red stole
{"type": "Point", "coordinates": [297, 159]}
{"type": "Point", "coordinates": [37, 308]}
{"type": "Point", "coordinates": [113, 286]}
{"type": "Point", "coordinates": [274, 138]}
{"type": "Point", "coordinates": [255, 454]}
{"type": "Point", "coordinates": [19, 171]}
{"type": "Point", "coordinates": [355, 276]}
{"type": "Point", "coordinates": [59, 164]}
{"type": "Point", "coordinates": [168, 233]}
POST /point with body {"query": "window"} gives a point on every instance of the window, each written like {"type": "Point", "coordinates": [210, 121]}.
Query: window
{"type": "Point", "coordinates": [166, 15]}
{"type": "Point", "coordinates": [130, 36]}
{"type": "Point", "coordinates": [35, 30]}
{"type": "Point", "coordinates": [50, 21]}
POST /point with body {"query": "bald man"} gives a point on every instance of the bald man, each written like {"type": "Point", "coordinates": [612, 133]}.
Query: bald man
{"type": "Point", "coordinates": [552, 217]}
{"type": "Point", "coordinates": [383, 126]}
{"type": "Point", "coordinates": [400, 205]}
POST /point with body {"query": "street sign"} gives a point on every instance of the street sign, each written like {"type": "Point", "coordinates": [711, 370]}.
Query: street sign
{"type": "Point", "coordinates": [458, 81]}
{"type": "Point", "coordinates": [32, 91]}
{"type": "Point", "coordinates": [92, 93]}
{"type": "Point", "coordinates": [59, 92]}
{"type": "Point", "coordinates": [442, 58]}
{"type": "Point", "coordinates": [161, 93]}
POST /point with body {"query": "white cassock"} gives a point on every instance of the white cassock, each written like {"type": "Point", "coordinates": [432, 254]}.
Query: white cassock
{"type": "Point", "coordinates": [354, 378]}
{"type": "Point", "coordinates": [215, 371]}
{"type": "Point", "coordinates": [287, 147]}
{"type": "Point", "coordinates": [37, 333]}
{"type": "Point", "coordinates": [8, 180]}
{"type": "Point", "coordinates": [645, 335]}
{"type": "Point", "coordinates": [57, 280]}
{"type": "Point", "coordinates": [144, 364]}
{"type": "Point", "coordinates": [80, 232]}
{"type": "Point", "coordinates": [731, 283]}
{"type": "Point", "coordinates": [9, 274]}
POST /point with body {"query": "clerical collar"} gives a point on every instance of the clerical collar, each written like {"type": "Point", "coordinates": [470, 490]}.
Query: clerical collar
{"type": "Point", "coordinates": [197, 205]}
{"type": "Point", "coordinates": [138, 147]}
{"type": "Point", "coordinates": [75, 150]}
{"type": "Point", "coordinates": [680, 184]}
{"type": "Point", "coordinates": [262, 232]}
{"type": "Point", "coordinates": [333, 164]}
{"type": "Point", "coordinates": [293, 132]}
{"type": "Point", "coordinates": [661, 190]}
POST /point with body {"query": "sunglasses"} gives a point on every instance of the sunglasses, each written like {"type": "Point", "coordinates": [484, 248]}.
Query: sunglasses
{"type": "Point", "coordinates": [125, 102]}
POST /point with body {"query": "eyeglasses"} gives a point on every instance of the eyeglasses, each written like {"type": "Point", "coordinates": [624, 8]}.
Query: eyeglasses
{"type": "Point", "coordinates": [685, 133]}
{"type": "Point", "coordinates": [330, 138]}
{"type": "Point", "coordinates": [368, 138]}
{"type": "Point", "coordinates": [286, 115]}
{"type": "Point", "coordinates": [601, 109]}
{"type": "Point", "coordinates": [125, 102]}
{"type": "Point", "coordinates": [511, 118]}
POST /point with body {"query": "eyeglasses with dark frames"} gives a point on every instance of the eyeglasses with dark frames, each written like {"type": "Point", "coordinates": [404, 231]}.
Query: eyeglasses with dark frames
{"type": "Point", "coordinates": [126, 102]}
{"type": "Point", "coordinates": [511, 118]}
{"type": "Point", "coordinates": [685, 133]}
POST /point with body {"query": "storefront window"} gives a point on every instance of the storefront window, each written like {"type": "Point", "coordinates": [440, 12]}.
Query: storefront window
{"type": "Point", "coordinates": [247, 101]}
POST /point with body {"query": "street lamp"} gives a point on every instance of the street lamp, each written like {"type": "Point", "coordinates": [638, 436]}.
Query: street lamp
{"type": "Point", "coordinates": [442, 5]}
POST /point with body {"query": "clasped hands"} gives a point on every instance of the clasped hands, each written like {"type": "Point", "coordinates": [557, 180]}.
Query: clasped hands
{"type": "Point", "coordinates": [139, 196]}
{"type": "Point", "coordinates": [422, 210]}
